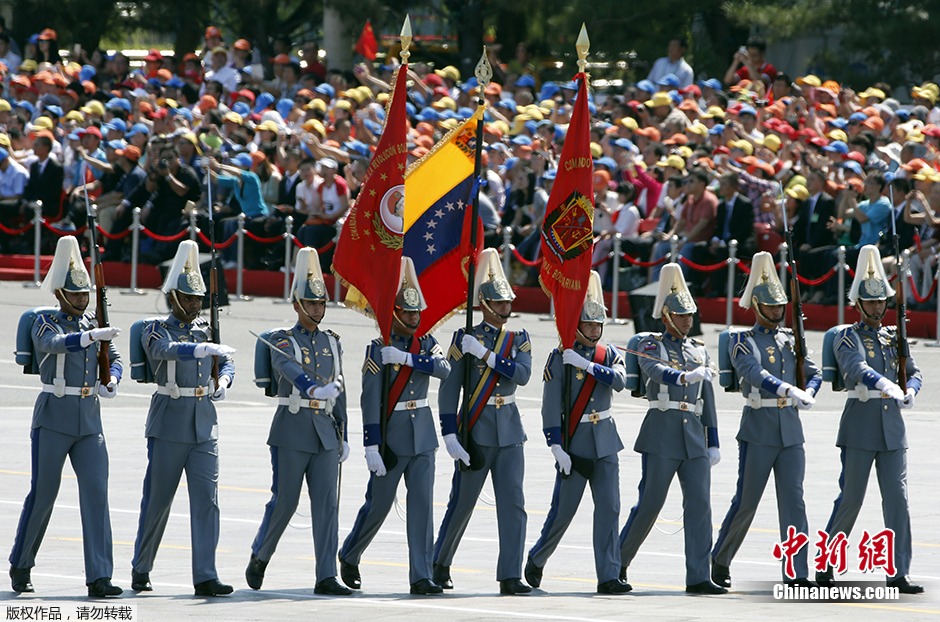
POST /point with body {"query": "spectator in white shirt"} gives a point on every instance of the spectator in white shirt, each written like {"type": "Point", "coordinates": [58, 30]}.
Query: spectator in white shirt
{"type": "Point", "coordinates": [673, 63]}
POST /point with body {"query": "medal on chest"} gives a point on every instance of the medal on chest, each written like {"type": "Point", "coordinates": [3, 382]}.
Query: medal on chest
{"type": "Point", "coordinates": [579, 375]}
{"type": "Point", "coordinates": [306, 354]}
{"type": "Point", "coordinates": [771, 351]}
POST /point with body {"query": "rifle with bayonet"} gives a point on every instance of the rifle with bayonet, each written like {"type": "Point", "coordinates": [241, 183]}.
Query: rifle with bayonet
{"type": "Point", "coordinates": [799, 348]}
{"type": "Point", "coordinates": [213, 281]}
{"type": "Point", "coordinates": [904, 348]}
{"type": "Point", "coordinates": [101, 290]}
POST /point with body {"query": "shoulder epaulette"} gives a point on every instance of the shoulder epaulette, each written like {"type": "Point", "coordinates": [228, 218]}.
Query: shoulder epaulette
{"type": "Point", "coordinates": [696, 342]}
{"type": "Point", "coordinates": [526, 345]}
{"type": "Point", "coordinates": [331, 333]}
{"type": "Point", "coordinates": [845, 339]}
{"type": "Point", "coordinates": [739, 345]}
{"type": "Point", "coordinates": [44, 324]}
{"type": "Point", "coordinates": [369, 365]}
{"type": "Point", "coordinates": [201, 322]}
{"type": "Point", "coordinates": [547, 374]}
{"type": "Point", "coordinates": [784, 329]}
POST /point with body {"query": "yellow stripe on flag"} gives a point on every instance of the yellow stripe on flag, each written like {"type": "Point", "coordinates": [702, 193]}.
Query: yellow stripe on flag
{"type": "Point", "coordinates": [449, 163]}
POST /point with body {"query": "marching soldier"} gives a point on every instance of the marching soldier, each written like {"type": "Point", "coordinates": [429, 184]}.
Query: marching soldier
{"type": "Point", "coordinates": [307, 436]}
{"type": "Point", "coordinates": [594, 437]}
{"type": "Point", "coordinates": [67, 422]}
{"type": "Point", "coordinates": [410, 435]}
{"type": "Point", "coordinates": [182, 426]}
{"type": "Point", "coordinates": [500, 360]}
{"type": "Point", "coordinates": [872, 429]}
{"type": "Point", "coordinates": [679, 436]}
{"type": "Point", "coordinates": [770, 437]}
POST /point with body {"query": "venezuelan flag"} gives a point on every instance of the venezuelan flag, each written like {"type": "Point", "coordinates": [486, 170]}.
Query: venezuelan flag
{"type": "Point", "coordinates": [437, 221]}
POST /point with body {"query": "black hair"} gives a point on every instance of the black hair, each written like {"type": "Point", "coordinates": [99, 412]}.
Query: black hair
{"type": "Point", "coordinates": [699, 173]}
{"type": "Point", "coordinates": [681, 40]}
{"type": "Point", "coordinates": [658, 148]}
{"type": "Point", "coordinates": [879, 178]}
{"type": "Point", "coordinates": [625, 187]}
{"type": "Point", "coordinates": [757, 42]}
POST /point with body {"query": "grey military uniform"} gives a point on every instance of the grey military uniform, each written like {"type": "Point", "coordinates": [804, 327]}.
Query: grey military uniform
{"type": "Point", "coordinates": [674, 438]}
{"type": "Point", "coordinates": [182, 433]}
{"type": "Point", "coordinates": [770, 438]}
{"type": "Point", "coordinates": [411, 435]}
{"type": "Point", "coordinates": [305, 443]}
{"type": "Point", "coordinates": [499, 433]}
{"type": "Point", "coordinates": [872, 431]}
{"type": "Point", "coordinates": [68, 425]}
{"type": "Point", "coordinates": [596, 438]}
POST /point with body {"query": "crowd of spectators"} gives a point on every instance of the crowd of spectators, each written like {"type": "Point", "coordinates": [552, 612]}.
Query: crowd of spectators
{"type": "Point", "coordinates": [707, 161]}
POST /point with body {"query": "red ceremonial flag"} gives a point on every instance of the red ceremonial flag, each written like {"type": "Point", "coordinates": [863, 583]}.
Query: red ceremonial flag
{"type": "Point", "coordinates": [368, 254]}
{"type": "Point", "coordinates": [367, 45]}
{"type": "Point", "coordinates": [568, 228]}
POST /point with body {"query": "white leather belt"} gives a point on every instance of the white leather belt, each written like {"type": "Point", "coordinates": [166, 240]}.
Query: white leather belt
{"type": "Point", "coordinates": [863, 395]}
{"type": "Point", "coordinates": [501, 400]}
{"type": "Point", "coordinates": [780, 402]}
{"type": "Point", "coordinates": [411, 404]}
{"type": "Point", "coordinates": [315, 404]}
{"type": "Point", "coordinates": [60, 391]}
{"type": "Point", "coordinates": [177, 392]}
{"type": "Point", "coordinates": [595, 417]}
{"type": "Point", "coordinates": [686, 407]}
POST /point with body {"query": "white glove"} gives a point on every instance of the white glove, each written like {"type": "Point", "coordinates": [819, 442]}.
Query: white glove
{"type": "Point", "coordinates": [804, 399]}
{"type": "Point", "coordinates": [908, 401]}
{"type": "Point", "coordinates": [699, 374]}
{"type": "Point", "coordinates": [394, 356]}
{"type": "Point", "coordinates": [714, 456]}
{"type": "Point", "coordinates": [345, 454]}
{"type": "Point", "coordinates": [570, 357]}
{"type": "Point", "coordinates": [212, 349]}
{"type": "Point", "coordinates": [455, 449]}
{"type": "Point", "coordinates": [109, 390]}
{"type": "Point", "coordinates": [890, 389]}
{"type": "Point", "coordinates": [471, 346]}
{"type": "Point", "coordinates": [328, 391]}
{"type": "Point", "coordinates": [374, 460]}
{"type": "Point", "coordinates": [98, 334]}
{"type": "Point", "coordinates": [224, 383]}
{"type": "Point", "coordinates": [562, 458]}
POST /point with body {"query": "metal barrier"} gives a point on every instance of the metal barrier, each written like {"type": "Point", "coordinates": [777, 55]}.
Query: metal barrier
{"type": "Point", "coordinates": [135, 255]}
{"type": "Point", "coordinates": [615, 298]}
{"type": "Point", "coordinates": [37, 240]}
{"type": "Point", "coordinates": [288, 264]}
{"type": "Point", "coordinates": [729, 293]}
{"type": "Point", "coordinates": [240, 260]}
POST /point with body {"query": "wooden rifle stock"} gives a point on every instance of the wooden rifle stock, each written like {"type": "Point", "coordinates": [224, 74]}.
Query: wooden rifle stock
{"type": "Point", "coordinates": [101, 293]}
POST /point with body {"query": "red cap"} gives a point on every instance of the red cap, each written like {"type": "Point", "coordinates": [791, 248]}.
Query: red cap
{"type": "Point", "coordinates": [856, 156]}
{"type": "Point", "coordinates": [692, 88]}
{"type": "Point", "coordinates": [94, 131]}
{"type": "Point", "coordinates": [242, 44]}
{"type": "Point", "coordinates": [130, 152]}
{"type": "Point", "coordinates": [153, 55]}
{"type": "Point", "coordinates": [212, 31]}
{"type": "Point", "coordinates": [281, 59]}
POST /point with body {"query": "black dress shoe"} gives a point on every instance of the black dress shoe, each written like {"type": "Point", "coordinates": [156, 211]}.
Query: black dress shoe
{"type": "Point", "coordinates": [510, 587]}
{"type": "Point", "coordinates": [331, 587]}
{"type": "Point", "coordinates": [140, 581]}
{"type": "Point", "coordinates": [213, 587]}
{"type": "Point", "coordinates": [254, 573]}
{"type": "Point", "coordinates": [905, 586]}
{"type": "Point", "coordinates": [533, 573]}
{"type": "Point", "coordinates": [623, 574]}
{"type": "Point", "coordinates": [21, 580]}
{"type": "Point", "coordinates": [425, 586]}
{"type": "Point", "coordinates": [441, 576]}
{"type": "Point", "coordinates": [804, 582]}
{"type": "Point", "coordinates": [614, 586]}
{"type": "Point", "coordinates": [350, 574]}
{"type": "Point", "coordinates": [705, 587]}
{"type": "Point", "coordinates": [721, 575]}
{"type": "Point", "coordinates": [824, 579]}
{"type": "Point", "coordinates": [99, 588]}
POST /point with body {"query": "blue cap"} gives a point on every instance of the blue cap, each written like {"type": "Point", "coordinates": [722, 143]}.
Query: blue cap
{"type": "Point", "coordinates": [592, 108]}
{"type": "Point", "coordinates": [624, 143]}
{"type": "Point", "coordinates": [243, 159]}
{"type": "Point", "coordinates": [116, 144]}
{"type": "Point", "coordinates": [242, 109]}
{"type": "Point", "coordinates": [284, 107]}
{"type": "Point", "coordinates": [119, 102]}
{"type": "Point", "coordinates": [74, 136]}
{"type": "Point", "coordinates": [903, 114]}
{"type": "Point", "coordinates": [550, 174]}
{"type": "Point", "coordinates": [716, 129]}
{"type": "Point", "coordinates": [507, 103]}
{"type": "Point", "coordinates": [372, 126]}
{"type": "Point", "coordinates": [646, 85]}
{"type": "Point", "coordinates": [549, 90]}
{"type": "Point", "coordinates": [469, 85]}
{"type": "Point", "coordinates": [464, 113]}
{"type": "Point", "coordinates": [675, 97]}
{"type": "Point", "coordinates": [155, 82]}
{"type": "Point", "coordinates": [853, 166]}
{"type": "Point", "coordinates": [115, 124]}
{"type": "Point", "coordinates": [55, 110]}
{"type": "Point", "coordinates": [747, 110]}
{"type": "Point", "coordinates": [837, 146]}
{"type": "Point", "coordinates": [138, 128]}
{"type": "Point", "coordinates": [186, 113]}
{"type": "Point", "coordinates": [607, 161]}
{"type": "Point", "coordinates": [325, 89]}
{"type": "Point", "coordinates": [419, 99]}
{"type": "Point", "coordinates": [25, 105]}
{"type": "Point", "coordinates": [264, 100]}
{"type": "Point", "coordinates": [670, 79]}
{"type": "Point", "coordinates": [509, 163]}
{"type": "Point", "coordinates": [858, 116]}
{"type": "Point", "coordinates": [839, 123]}
{"type": "Point", "coordinates": [711, 83]}
{"type": "Point", "coordinates": [429, 114]}
{"type": "Point", "coordinates": [889, 177]}
{"type": "Point", "coordinates": [521, 139]}
{"type": "Point", "coordinates": [175, 82]}
{"type": "Point", "coordinates": [531, 126]}
{"type": "Point", "coordinates": [358, 147]}
{"type": "Point", "coordinates": [410, 109]}
{"type": "Point", "coordinates": [525, 82]}
{"type": "Point", "coordinates": [570, 86]}
{"type": "Point", "coordinates": [34, 39]}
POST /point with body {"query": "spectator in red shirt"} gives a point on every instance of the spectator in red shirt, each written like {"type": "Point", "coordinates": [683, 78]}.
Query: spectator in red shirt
{"type": "Point", "coordinates": [697, 222]}
{"type": "Point", "coordinates": [750, 65]}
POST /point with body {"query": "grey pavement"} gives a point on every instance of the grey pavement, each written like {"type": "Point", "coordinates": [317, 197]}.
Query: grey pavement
{"type": "Point", "coordinates": [568, 587]}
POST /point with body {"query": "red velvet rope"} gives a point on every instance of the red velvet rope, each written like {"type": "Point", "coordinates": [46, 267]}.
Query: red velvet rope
{"type": "Point", "coordinates": [22, 229]}
{"type": "Point", "coordinates": [815, 282]}
{"type": "Point", "coordinates": [61, 232]}
{"type": "Point", "coordinates": [701, 268]}
{"type": "Point", "coordinates": [326, 247]}
{"type": "Point", "coordinates": [644, 264]}
{"type": "Point", "coordinates": [256, 238]}
{"type": "Point", "coordinates": [603, 259]}
{"type": "Point", "coordinates": [164, 238]}
{"type": "Point", "coordinates": [523, 260]}
{"type": "Point", "coordinates": [114, 236]}
{"type": "Point", "coordinates": [218, 245]}
{"type": "Point", "coordinates": [917, 295]}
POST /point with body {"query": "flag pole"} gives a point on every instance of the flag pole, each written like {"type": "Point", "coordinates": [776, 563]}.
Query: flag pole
{"type": "Point", "coordinates": [484, 73]}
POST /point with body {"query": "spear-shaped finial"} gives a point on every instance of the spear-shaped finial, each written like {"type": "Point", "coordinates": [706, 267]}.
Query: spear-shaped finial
{"type": "Point", "coordinates": [582, 46]}
{"type": "Point", "coordinates": [405, 40]}
{"type": "Point", "coordinates": [483, 72]}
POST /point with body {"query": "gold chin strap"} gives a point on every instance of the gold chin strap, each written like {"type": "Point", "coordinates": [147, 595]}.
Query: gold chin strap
{"type": "Point", "coordinates": [177, 301]}
{"type": "Point", "coordinates": [395, 315]}
{"type": "Point", "coordinates": [668, 315]}
{"type": "Point", "coordinates": [487, 306]}
{"type": "Point", "coordinates": [82, 310]}
{"type": "Point", "coordinates": [300, 303]}
{"type": "Point", "coordinates": [588, 339]}
{"type": "Point", "coordinates": [757, 310]}
{"type": "Point", "coordinates": [861, 310]}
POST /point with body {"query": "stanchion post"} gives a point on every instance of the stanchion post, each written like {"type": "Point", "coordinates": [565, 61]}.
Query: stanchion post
{"type": "Point", "coordinates": [507, 249]}
{"type": "Point", "coordinates": [936, 277]}
{"type": "Point", "coordinates": [615, 290]}
{"type": "Point", "coordinates": [192, 225]}
{"type": "Point", "coordinates": [135, 254]}
{"type": "Point", "coordinates": [729, 292]}
{"type": "Point", "coordinates": [240, 259]}
{"type": "Point", "coordinates": [288, 241]}
{"type": "Point", "coordinates": [37, 242]}
{"type": "Point", "coordinates": [840, 295]}
{"type": "Point", "coordinates": [674, 249]}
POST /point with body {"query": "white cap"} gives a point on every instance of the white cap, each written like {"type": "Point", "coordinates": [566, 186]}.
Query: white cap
{"type": "Point", "coordinates": [410, 297]}
{"type": "Point", "coordinates": [673, 292]}
{"type": "Point", "coordinates": [490, 278]}
{"type": "Point", "coordinates": [763, 283]}
{"type": "Point", "coordinates": [67, 270]}
{"type": "Point", "coordinates": [593, 309]}
{"type": "Point", "coordinates": [308, 281]}
{"type": "Point", "coordinates": [185, 274]}
{"type": "Point", "coordinates": [868, 271]}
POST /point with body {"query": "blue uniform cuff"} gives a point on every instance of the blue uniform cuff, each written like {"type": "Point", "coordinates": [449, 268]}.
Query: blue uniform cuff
{"type": "Point", "coordinates": [186, 351]}
{"type": "Point", "coordinates": [504, 367]}
{"type": "Point", "coordinates": [423, 364]}
{"type": "Point", "coordinates": [117, 371]}
{"type": "Point", "coordinates": [448, 423]}
{"type": "Point", "coordinates": [371, 434]}
{"type": "Point", "coordinates": [304, 383]}
{"type": "Point", "coordinates": [870, 378]}
{"type": "Point", "coordinates": [73, 342]}
{"type": "Point", "coordinates": [603, 374]}
{"type": "Point", "coordinates": [914, 383]}
{"type": "Point", "coordinates": [770, 384]}
{"type": "Point", "coordinates": [553, 435]}
{"type": "Point", "coordinates": [814, 383]}
{"type": "Point", "coordinates": [671, 376]}
{"type": "Point", "coordinates": [711, 437]}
